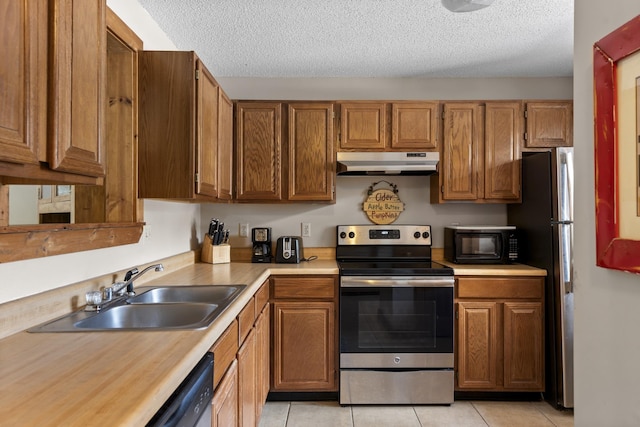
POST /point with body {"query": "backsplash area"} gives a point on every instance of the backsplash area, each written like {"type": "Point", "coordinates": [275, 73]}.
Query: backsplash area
{"type": "Point", "coordinates": [351, 192]}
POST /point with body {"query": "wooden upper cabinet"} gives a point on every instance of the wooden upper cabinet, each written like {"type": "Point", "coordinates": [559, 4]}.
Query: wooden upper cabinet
{"type": "Point", "coordinates": [462, 153]}
{"type": "Point", "coordinates": [503, 128]}
{"type": "Point", "coordinates": [178, 127]}
{"type": "Point", "coordinates": [310, 142]}
{"type": "Point", "coordinates": [207, 135]}
{"type": "Point", "coordinates": [77, 99]}
{"type": "Point", "coordinates": [225, 146]}
{"type": "Point", "coordinates": [414, 126]}
{"type": "Point", "coordinates": [549, 124]}
{"type": "Point", "coordinates": [24, 56]}
{"type": "Point", "coordinates": [480, 159]}
{"type": "Point", "coordinates": [258, 151]}
{"type": "Point", "coordinates": [284, 151]}
{"type": "Point", "coordinates": [363, 126]}
{"type": "Point", "coordinates": [53, 71]}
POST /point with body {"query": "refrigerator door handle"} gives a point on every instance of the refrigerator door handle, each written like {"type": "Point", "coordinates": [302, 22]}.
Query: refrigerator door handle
{"type": "Point", "coordinates": [565, 237]}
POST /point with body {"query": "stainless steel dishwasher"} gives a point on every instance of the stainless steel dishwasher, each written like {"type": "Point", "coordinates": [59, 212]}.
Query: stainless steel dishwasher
{"type": "Point", "coordinates": [190, 404]}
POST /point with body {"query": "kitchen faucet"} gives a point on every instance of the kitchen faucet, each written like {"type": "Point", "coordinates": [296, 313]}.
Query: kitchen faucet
{"type": "Point", "coordinates": [97, 301]}
{"type": "Point", "coordinates": [132, 275]}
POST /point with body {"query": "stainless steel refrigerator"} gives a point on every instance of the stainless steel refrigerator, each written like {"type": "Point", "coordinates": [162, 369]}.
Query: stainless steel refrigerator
{"type": "Point", "coordinates": [545, 221]}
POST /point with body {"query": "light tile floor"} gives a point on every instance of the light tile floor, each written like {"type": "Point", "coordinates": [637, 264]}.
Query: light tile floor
{"type": "Point", "coordinates": [460, 414]}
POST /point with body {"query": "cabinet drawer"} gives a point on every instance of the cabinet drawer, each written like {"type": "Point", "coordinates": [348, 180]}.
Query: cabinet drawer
{"type": "Point", "coordinates": [224, 352]}
{"type": "Point", "coordinates": [500, 287]}
{"type": "Point", "coordinates": [246, 318]}
{"type": "Point", "coordinates": [304, 287]}
{"type": "Point", "coordinates": [262, 297]}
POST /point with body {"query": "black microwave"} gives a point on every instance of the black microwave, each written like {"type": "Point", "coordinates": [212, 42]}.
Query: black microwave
{"type": "Point", "coordinates": [481, 244]}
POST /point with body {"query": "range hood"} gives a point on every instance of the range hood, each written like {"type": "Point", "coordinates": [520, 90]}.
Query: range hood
{"type": "Point", "coordinates": [387, 163]}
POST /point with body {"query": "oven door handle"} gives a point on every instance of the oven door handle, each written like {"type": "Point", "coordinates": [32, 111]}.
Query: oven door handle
{"type": "Point", "coordinates": [397, 281]}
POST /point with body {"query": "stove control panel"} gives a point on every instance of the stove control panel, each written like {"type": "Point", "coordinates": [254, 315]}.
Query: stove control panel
{"type": "Point", "coordinates": [384, 235]}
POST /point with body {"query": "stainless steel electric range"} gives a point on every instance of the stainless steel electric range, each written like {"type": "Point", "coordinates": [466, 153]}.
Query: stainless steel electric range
{"type": "Point", "coordinates": [396, 317]}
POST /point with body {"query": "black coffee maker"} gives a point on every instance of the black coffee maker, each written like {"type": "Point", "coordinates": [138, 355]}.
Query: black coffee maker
{"type": "Point", "coordinates": [261, 238]}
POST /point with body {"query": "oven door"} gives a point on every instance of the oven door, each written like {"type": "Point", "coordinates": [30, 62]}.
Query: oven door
{"type": "Point", "coordinates": [396, 314]}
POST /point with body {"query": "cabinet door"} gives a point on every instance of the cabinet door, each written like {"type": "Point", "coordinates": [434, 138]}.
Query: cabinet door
{"type": "Point", "coordinates": [77, 98]}
{"type": "Point", "coordinates": [363, 126]}
{"type": "Point", "coordinates": [502, 151]}
{"type": "Point", "coordinates": [304, 346]}
{"type": "Point", "coordinates": [247, 381]}
{"type": "Point", "coordinates": [167, 116]}
{"type": "Point", "coordinates": [263, 359]}
{"type": "Point", "coordinates": [225, 399]}
{"type": "Point", "coordinates": [310, 143]}
{"type": "Point", "coordinates": [523, 346]}
{"type": "Point", "coordinates": [549, 124]}
{"type": "Point", "coordinates": [207, 133]}
{"type": "Point", "coordinates": [225, 146]}
{"type": "Point", "coordinates": [462, 152]}
{"type": "Point", "coordinates": [477, 345]}
{"type": "Point", "coordinates": [24, 61]}
{"type": "Point", "coordinates": [414, 126]}
{"type": "Point", "coordinates": [258, 150]}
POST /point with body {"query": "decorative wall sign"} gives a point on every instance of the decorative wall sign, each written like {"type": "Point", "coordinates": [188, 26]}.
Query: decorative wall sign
{"type": "Point", "coordinates": [614, 249]}
{"type": "Point", "coordinates": [383, 206]}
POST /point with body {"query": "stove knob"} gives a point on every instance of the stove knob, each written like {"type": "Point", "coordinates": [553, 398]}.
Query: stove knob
{"type": "Point", "coordinates": [352, 234]}
{"type": "Point", "coordinates": [425, 234]}
{"type": "Point", "coordinates": [343, 234]}
{"type": "Point", "coordinates": [416, 234]}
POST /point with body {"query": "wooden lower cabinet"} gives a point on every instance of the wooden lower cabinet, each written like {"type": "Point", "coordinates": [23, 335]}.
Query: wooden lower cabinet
{"type": "Point", "coordinates": [500, 334]}
{"type": "Point", "coordinates": [225, 399]}
{"type": "Point", "coordinates": [247, 381]}
{"type": "Point", "coordinates": [263, 359]}
{"type": "Point", "coordinates": [304, 334]}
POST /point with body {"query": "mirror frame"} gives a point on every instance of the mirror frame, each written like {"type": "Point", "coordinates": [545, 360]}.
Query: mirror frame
{"type": "Point", "coordinates": [35, 241]}
{"type": "Point", "coordinates": [612, 250]}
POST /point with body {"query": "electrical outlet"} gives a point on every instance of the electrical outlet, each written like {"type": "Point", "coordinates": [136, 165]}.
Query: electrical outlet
{"type": "Point", "coordinates": [244, 230]}
{"type": "Point", "coordinates": [306, 229]}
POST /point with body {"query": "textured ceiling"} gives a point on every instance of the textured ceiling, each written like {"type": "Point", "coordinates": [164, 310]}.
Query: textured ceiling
{"type": "Point", "coordinates": [371, 38]}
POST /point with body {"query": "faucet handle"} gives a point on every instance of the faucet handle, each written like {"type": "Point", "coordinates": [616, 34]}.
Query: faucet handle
{"type": "Point", "coordinates": [94, 299]}
{"type": "Point", "coordinates": [130, 274]}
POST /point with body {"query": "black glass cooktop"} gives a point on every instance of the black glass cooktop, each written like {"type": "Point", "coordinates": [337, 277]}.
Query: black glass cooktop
{"type": "Point", "coordinates": [393, 268]}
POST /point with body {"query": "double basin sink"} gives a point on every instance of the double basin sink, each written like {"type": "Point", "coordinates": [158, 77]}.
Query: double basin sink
{"type": "Point", "coordinates": [154, 308]}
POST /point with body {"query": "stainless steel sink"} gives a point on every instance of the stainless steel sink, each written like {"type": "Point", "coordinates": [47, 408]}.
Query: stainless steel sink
{"type": "Point", "coordinates": [152, 316]}
{"type": "Point", "coordinates": [155, 308]}
{"type": "Point", "coordinates": [214, 294]}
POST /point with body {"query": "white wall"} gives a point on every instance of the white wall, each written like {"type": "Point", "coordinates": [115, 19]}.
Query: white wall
{"type": "Point", "coordinates": [607, 341]}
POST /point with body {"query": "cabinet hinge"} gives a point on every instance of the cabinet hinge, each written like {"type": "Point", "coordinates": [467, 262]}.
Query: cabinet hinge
{"type": "Point", "coordinates": [197, 74]}
{"type": "Point", "coordinates": [526, 114]}
{"type": "Point", "coordinates": [442, 188]}
{"type": "Point", "coordinates": [457, 314]}
{"type": "Point", "coordinates": [525, 136]}
{"type": "Point", "coordinates": [197, 177]}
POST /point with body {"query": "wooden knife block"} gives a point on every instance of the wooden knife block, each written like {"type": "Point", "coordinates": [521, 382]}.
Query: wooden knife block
{"type": "Point", "coordinates": [215, 254]}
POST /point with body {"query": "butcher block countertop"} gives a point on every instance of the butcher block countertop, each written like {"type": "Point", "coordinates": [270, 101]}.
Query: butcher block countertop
{"type": "Point", "coordinates": [118, 378]}
{"type": "Point", "coordinates": [494, 269]}
{"type": "Point", "coordinates": [123, 378]}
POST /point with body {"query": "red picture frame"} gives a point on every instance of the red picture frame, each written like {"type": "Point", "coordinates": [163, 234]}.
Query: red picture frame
{"type": "Point", "coordinates": [612, 251]}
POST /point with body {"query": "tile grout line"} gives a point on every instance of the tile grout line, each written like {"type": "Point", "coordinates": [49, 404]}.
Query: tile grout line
{"type": "Point", "coordinates": [476, 409]}
{"type": "Point", "coordinates": [286, 420]}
